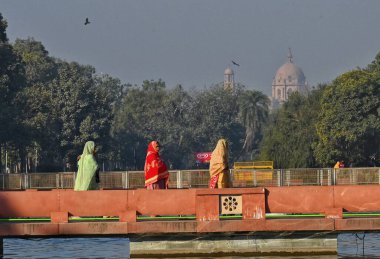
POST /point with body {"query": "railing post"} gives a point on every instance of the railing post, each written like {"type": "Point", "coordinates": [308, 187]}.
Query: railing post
{"type": "Point", "coordinates": [57, 181]}
{"type": "Point", "coordinates": [279, 175]}
{"type": "Point", "coordinates": [179, 180]}
{"type": "Point", "coordinates": [254, 178]}
{"type": "Point", "coordinates": [126, 180]}
{"type": "Point", "coordinates": [320, 176]}
{"type": "Point", "coordinates": [287, 176]}
{"type": "Point", "coordinates": [20, 182]}
{"type": "Point", "coordinates": [231, 177]}
{"type": "Point", "coordinates": [329, 176]}
{"type": "Point", "coordinates": [26, 181]}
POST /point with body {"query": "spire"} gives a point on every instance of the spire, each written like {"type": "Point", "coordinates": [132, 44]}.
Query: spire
{"type": "Point", "coordinates": [290, 56]}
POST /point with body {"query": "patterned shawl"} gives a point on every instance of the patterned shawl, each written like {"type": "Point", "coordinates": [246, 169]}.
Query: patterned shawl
{"type": "Point", "coordinates": [155, 169]}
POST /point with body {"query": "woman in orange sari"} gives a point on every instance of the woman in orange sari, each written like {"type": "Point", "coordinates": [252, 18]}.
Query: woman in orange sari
{"type": "Point", "coordinates": [156, 171]}
{"type": "Point", "coordinates": [219, 177]}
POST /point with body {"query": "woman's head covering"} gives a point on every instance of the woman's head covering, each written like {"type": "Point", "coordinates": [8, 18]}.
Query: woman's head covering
{"type": "Point", "coordinates": [89, 148]}
{"type": "Point", "coordinates": [153, 147]}
{"type": "Point", "coordinates": [222, 148]}
{"type": "Point", "coordinates": [87, 167]}
{"type": "Point", "coordinates": [155, 169]}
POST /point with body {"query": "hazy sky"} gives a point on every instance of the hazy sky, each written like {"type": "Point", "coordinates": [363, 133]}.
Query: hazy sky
{"type": "Point", "coordinates": [191, 42]}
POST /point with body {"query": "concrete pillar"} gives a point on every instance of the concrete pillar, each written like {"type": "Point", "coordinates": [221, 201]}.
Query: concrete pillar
{"type": "Point", "coordinates": [279, 244]}
{"type": "Point", "coordinates": [1, 247]}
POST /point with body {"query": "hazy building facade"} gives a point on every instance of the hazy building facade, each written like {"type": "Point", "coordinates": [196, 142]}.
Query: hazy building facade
{"type": "Point", "coordinates": [288, 79]}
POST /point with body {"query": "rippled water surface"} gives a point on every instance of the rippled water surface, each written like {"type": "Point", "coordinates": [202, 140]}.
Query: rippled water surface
{"type": "Point", "coordinates": [349, 246]}
{"type": "Point", "coordinates": [66, 248]}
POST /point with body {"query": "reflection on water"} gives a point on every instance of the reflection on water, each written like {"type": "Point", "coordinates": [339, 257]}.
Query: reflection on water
{"type": "Point", "coordinates": [349, 246]}
{"type": "Point", "coordinates": [42, 248]}
{"type": "Point", "coordinates": [359, 245]}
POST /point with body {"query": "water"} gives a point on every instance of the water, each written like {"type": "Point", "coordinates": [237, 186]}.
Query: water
{"type": "Point", "coordinates": [349, 245]}
{"type": "Point", "coordinates": [57, 248]}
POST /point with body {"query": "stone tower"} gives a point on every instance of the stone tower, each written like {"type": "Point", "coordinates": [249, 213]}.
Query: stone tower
{"type": "Point", "coordinates": [228, 79]}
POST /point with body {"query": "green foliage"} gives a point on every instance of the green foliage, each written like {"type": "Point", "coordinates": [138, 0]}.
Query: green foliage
{"type": "Point", "coordinates": [12, 81]}
{"type": "Point", "coordinates": [214, 115]}
{"type": "Point", "coordinates": [3, 28]}
{"type": "Point", "coordinates": [184, 123]}
{"type": "Point", "coordinates": [290, 134]}
{"type": "Point", "coordinates": [349, 122]}
{"type": "Point", "coordinates": [39, 67]}
{"type": "Point", "coordinates": [253, 114]}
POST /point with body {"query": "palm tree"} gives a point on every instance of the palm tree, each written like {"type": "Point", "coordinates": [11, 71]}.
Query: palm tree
{"type": "Point", "coordinates": [253, 113]}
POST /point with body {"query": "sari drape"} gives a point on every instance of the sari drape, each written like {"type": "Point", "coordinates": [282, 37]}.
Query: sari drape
{"type": "Point", "coordinates": [87, 167]}
{"type": "Point", "coordinates": [219, 165]}
{"type": "Point", "coordinates": [155, 169]}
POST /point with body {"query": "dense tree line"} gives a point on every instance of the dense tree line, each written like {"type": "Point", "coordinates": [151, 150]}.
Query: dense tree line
{"type": "Point", "coordinates": [50, 107]}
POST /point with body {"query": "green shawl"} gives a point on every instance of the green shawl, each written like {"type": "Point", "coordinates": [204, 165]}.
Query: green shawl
{"type": "Point", "coordinates": [87, 167]}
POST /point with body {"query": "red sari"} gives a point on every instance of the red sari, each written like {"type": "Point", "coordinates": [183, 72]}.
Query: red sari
{"type": "Point", "coordinates": [156, 171]}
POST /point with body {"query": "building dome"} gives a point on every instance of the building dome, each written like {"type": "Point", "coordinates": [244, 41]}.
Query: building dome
{"type": "Point", "coordinates": [228, 71]}
{"type": "Point", "coordinates": [289, 74]}
{"type": "Point", "coordinates": [289, 78]}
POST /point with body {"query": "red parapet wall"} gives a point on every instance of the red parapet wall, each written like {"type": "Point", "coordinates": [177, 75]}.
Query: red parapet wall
{"type": "Point", "coordinates": [204, 203]}
{"type": "Point", "coordinates": [300, 199]}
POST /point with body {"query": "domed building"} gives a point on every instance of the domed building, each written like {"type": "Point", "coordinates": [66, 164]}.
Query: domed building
{"type": "Point", "coordinates": [228, 79]}
{"type": "Point", "coordinates": [288, 79]}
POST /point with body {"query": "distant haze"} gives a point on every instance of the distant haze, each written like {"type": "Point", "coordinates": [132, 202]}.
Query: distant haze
{"type": "Point", "coordinates": [191, 42]}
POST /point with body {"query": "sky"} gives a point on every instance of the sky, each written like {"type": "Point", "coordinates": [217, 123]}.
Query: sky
{"type": "Point", "coordinates": [192, 42]}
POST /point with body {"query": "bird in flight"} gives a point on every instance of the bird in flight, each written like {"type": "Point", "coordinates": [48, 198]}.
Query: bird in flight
{"type": "Point", "coordinates": [86, 22]}
{"type": "Point", "coordinates": [236, 64]}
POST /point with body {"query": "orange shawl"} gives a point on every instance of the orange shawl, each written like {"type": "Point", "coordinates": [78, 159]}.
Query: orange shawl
{"type": "Point", "coordinates": [219, 158]}
{"type": "Point", "coordinates": [155, 169]}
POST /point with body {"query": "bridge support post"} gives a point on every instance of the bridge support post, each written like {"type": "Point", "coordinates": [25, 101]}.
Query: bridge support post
{"type": "Point", "coordinates": [207, 207]}
{"type": "Point", "coordinates": [127, 216]}
{"type": "Point", "coordinates": [59, 217]}
{"type": "Point", "coordinates": [334, 213]}
{"type": "Point", "coordinates": [1, 247]}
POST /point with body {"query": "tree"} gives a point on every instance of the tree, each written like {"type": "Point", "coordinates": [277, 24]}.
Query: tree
{"type": "Point", "coordinates": [253, 114]}
{"type": "Point", "coordinates": [12, 81]}
{"type": "Point", "coordinates": [214, 115]}
{"type": "Point", "coordinates": [3, 29]}
{"type": "Point", "coordinates": [290, 134]}
{"type": "Point", "coordinates": [39, 66]}
{"type": "Point", "coordinates": [84, 106]}
{"type": "Point", "coordinates": [138, 120]}
{"type": "Point", "coordinates": [37, 115]}
{"type": "Point", "coordinates": [349, 122]}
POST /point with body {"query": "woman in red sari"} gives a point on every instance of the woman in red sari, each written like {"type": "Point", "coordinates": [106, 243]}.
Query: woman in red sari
{"type": "Point", "coordinates": [156, 171]}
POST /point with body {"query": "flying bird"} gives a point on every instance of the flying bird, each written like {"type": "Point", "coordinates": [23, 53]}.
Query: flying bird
{"type": "Point", "coordinates": [236, 64]}
{"type": "Point", "coordinates": [86, 22]}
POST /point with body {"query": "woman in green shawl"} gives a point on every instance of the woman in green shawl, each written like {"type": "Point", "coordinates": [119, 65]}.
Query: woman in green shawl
{"type": "Point", "coordinates": [87, 169]}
